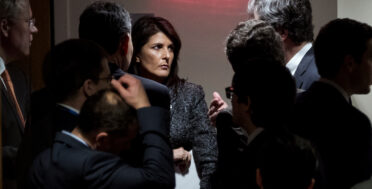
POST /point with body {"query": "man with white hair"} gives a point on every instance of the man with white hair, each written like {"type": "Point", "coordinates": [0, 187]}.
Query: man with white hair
{"type": "Point", "coordinates": [16, 28]}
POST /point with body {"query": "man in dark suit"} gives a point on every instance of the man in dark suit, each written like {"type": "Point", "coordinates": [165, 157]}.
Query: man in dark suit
{"type": "Point", "coordinates": [324, 114]}
{"type": "Point", "coordinates": [16, 29]}
{"type": "Point", "coordinates": [75, 70]}
{"type": "Point", "coordinates": [85, 157]}
{"type": "Point", "coordinates": [109, 25]}
{"type": "Point", "coordinates": [292, 19]}
{"type": "Point", "coordinates": [262, 97]}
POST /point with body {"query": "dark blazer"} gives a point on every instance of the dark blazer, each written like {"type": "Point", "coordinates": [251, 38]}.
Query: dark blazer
{"type": "Point", "coordinates": [157, 93]}
{"type": "Point", "coordinates": [41, 136]}
{"type": "Point", "coordinates": [340, 133]}
{"type": "Point", "coordinates": [237, 162]}
{"type": "Point", "coordinates": [307, 71]}
{"type": "Point", "coordinates": [12, 128]}
{"type": "Point", "coordinates": [71, 164]}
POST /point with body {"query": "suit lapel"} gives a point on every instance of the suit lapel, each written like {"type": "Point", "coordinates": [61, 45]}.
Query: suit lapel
{"type": "Point", "coordinates": [7, 99]}
{"type": "Point", "coordinates": [302, 67]}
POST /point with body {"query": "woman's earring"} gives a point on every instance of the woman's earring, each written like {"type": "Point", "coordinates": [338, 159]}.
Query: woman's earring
{"type": "Point", "coordinates": [137, 59]}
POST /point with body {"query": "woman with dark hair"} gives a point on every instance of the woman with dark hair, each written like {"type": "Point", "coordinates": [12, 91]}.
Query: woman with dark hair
{"type": "Point", "coordinates": [156, 49]}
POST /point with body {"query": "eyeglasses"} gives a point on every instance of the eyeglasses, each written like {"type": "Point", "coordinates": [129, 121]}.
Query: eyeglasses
{"type": "Point", "coordinates": [229, 92]}
{"type": "Point", "coordinates": [31, 21]}
{"type": "Point", "coordinates": [108, 79]}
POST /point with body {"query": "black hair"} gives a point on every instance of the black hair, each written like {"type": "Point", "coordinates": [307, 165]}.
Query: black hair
{"type": "Point", "coordinates": [146, 27]}
{"type": "Point", "coordinates": [69, 64]}
{"type": "Point", "coordinates": [105, 23]}
{"type": "Point", "coordinates": [106, 111]}
{"type": "Point", "coordinates": [336, 40]}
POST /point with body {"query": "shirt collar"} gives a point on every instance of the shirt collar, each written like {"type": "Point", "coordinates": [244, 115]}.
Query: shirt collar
{"type": "Point", "coordinates": [296, 59]}
{"type": "Point", "coordinates": [75, 137]}
{"type": "Point", "coordinates": [248, 138]}
{"type": "Point", "coordinates": [74, 111]}
{"type": "Point", "coordinates": [2, 66]}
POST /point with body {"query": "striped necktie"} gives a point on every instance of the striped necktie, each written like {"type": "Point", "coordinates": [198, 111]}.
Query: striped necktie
{"type": "Point", "coordinates": [10, 89]}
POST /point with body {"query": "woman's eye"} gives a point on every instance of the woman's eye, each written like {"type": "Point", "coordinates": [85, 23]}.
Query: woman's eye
{"type": "Point", "coordinates": [156, 47]}
{"type": "Point", "coordinates": [171, 48]}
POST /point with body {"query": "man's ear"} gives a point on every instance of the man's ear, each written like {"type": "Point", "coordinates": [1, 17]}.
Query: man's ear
{"type": "Point", "coordinates": [248, 105]}
{"type": "Point", "coordinates": [258, 178]}
{"type": "Point", "coordinates": [283, 34]}
{"type": "Point", "coordinates": [4, 27]}
{"type": "Point", "coordinates": [101, 141]}
{"type": "Point", "coordinates": [89, 87]}
{"type": "Point", "coordinates": [124, 44]}
{"type": "Point", "coordinates": [349, 62]}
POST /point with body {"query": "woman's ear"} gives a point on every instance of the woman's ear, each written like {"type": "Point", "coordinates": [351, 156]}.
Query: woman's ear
{"type": "Point", "coordinates": [138, 60]}
{"type": "Point", "coordinates": [4, 27]}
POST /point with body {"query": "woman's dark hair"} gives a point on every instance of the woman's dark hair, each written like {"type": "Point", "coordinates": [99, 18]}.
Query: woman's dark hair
{"type": "Point", "coordinates": [146, 27]}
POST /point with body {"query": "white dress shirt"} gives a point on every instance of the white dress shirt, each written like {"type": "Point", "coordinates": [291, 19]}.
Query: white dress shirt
{"type": "Point", "coordinates": [292, 64]}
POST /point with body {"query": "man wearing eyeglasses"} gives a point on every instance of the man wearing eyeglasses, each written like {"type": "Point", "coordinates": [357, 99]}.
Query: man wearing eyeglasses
{"type": "Point", "coordinates": [17, 27]}
{"type": "Point", "coordinates": [262, 96]}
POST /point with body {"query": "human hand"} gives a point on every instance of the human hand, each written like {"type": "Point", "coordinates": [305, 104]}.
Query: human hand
{"type": "Point", "coordinates": [132, 91]}
{"type": "Point", "coordinates": [217, 104]}
{"type": "Point", "coordinates": [182, 160]}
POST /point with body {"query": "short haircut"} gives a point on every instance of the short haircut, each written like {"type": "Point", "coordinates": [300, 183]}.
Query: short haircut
{"type": "Point", "coordinates": [271, 90]}
{"type": "Point", "coordinates": [106, 111]}
{"type": "Point", "coordinates": [295, 16]}
{"type": "Point", "coordinates": [148, 26]}
{"type": "Point", "coordinates": [253, 40]}
{"type": "Point", "coordinates": [105, 23]}
{"type": "Point", "coordinates": [69, 64]}
{"type": "Point", "coordinates": [287, 162]}
{"type": "Point", "coordinates": [12, 8]}
{"type": "Point", "coordinates": [336, 40]}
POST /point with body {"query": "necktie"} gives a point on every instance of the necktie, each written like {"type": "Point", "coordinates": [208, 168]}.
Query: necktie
{"type": "Point", "coordinates": [10, 89]}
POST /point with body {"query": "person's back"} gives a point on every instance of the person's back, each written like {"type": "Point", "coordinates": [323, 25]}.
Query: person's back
{"type": "Point", "coordinates": [324, 114]}
{"type": "Point", "coordinates": [88, 157]}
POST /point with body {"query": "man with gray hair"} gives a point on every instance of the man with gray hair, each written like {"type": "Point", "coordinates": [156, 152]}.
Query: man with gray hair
{"type": "Point", "coordinates": [292, 19]}
{"type": "Point", "coordinates": [16, 28]}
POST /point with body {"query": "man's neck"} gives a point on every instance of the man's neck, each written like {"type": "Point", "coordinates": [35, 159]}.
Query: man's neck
{"type": "Point", "coordinates": [77, 133]}
{"type": "Point", "coordinates": [117, 59]}
{"type": "Point", "coordinates": [75, 102]}
{"type": "Point", "coordinates": [247, 125]}
{"type": "Point", "coordinates": [290, 49]}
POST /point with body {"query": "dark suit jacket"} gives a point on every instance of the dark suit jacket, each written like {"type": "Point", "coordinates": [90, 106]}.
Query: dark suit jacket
{"type": "Point", "coordinates": [41, 136]}
{"type": "Point", "coordinates": [307, 71]}
{"type": "Point", "coordinates": [12, 128]}
{"type": "Point", "coordinates": [340, 133]}
{"type": "Point", "coordinates": [237, 163]}
{"type": "Point", "coordinates": [71, 164]}
{"type": "Point", "coordinates": [157, 93]}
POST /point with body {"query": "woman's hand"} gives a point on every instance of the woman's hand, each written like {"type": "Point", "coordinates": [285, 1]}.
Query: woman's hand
{"type": "Point", "coordinates": [182, 160]}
